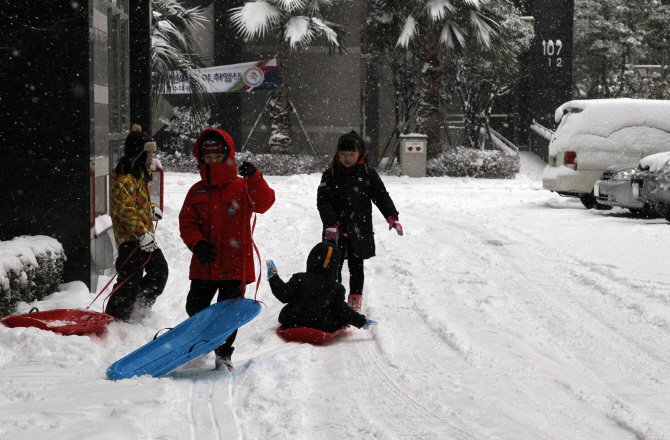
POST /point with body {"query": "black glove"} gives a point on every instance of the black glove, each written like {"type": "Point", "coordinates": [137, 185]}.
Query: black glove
{"type": "Point", "coordinates": [247, 169]}
{"type": "Point", "coordinates": [205, 252]}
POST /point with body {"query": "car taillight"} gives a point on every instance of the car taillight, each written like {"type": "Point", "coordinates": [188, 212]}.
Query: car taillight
{"type": "Point", "coordinates": [570, 160]}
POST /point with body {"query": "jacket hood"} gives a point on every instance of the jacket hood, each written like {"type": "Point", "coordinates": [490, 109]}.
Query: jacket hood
{"type": "Point", "coordinates": [216, 173]}
{"type": "Point", "coordinates": [324, 259]}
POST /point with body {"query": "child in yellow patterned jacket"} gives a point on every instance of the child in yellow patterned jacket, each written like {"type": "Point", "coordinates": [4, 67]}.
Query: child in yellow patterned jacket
{"type": "Point", "coordinates": [141, 266]}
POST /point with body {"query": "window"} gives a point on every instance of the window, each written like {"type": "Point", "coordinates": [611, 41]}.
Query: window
{"type": "Point", "coordinates": [114, 61]}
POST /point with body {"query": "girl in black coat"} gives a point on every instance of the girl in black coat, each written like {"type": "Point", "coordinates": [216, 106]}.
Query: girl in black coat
{"type": "Point", "coordinates": [315, 299]}
{"type": "Point", "coordinates": [344, 200]}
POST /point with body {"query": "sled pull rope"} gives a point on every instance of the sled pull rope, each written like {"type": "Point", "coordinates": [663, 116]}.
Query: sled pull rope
{"type": "Point", "coordinates": [253, 244]}
{"type": "Point", "coordinates": [124, 281]}
{"type": "Point", "coordinates": [110, 281]}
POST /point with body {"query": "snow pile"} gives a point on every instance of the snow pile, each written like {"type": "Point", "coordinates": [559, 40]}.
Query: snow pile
{"type": "Point", "coordinates": [467, 162]}
{"type": "Point", "coordinates": [655, 162]}
{"type": "Point", "coordinates": [30, 269]}
{"type": "Point", "coordinates": [605, 132]}
{"type": "Point", "coordinates": [505, 312]}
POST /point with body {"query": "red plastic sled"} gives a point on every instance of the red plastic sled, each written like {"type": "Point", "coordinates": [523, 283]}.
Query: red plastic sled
{"type": "Point", "coordinates": [308, 335]}
{"type": "Point", "coordinates": [64, 321]}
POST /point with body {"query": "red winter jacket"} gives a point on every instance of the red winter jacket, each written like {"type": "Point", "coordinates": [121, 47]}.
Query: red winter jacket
{"type": "Point", "coordinates": [218, 210]}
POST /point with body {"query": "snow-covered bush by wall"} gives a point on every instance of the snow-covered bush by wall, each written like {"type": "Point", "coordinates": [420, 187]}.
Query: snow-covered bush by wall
{"type": "Point", "coordinates": [30, 269]}
{"type": "Point", "coordinates": [285, 165]}
{"type": "Point", "coordinates": [176, 139]}
{"type": "Point", "coordinates": [468, 162]}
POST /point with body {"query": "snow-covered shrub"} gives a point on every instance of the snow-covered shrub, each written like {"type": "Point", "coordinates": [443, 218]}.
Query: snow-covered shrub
{"type": "Point", "coordinates": [285, 164]}
{"type": "Point", "coordinates": [468, 162]}
{"type": "Point", "coordinates": [30, 269]}
{"type": "Point", "coordinates": [176, 139]}
{"type": "Point", "coordinates": [175, 145]}
{"type": "Point", "coordinates": [269, 164]}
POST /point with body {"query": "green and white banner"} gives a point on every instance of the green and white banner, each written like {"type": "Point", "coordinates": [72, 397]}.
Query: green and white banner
{"type": "Point", "coordinates": [244, 77]}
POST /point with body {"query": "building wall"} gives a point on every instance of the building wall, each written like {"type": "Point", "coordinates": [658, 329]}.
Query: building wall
{"type": "Point", "coordinates": [325, 90]}
{"type": "Point", "coordinates": [65, 112]}
{"type": "Point", "coordinates": [45, 129]}
{"type": "Point", "coordinates": [109, 88]}
{"type": "Point", "coordinates": [334, 94]}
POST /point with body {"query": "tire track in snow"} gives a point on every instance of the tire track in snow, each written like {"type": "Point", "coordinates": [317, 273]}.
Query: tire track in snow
{"type": "Point", "coordinates": [477, 248]}
{"type": "Point", "coordinates": [423, 417]}
{"type": "Point", "coordinates": [605, 339]}
{"type": "Point", "coordinates": [209, 408]}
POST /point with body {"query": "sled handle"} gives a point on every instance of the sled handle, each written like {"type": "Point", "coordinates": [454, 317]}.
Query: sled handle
{"type": "Point", "coordinates": [166, 328]}
{"type": "Point", "coordinates": [193, 346]}
{"type": "Point", "coordinates": [34, 309]}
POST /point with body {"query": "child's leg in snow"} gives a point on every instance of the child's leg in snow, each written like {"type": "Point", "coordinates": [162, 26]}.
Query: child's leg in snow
{"type": "Point", "coordinates": [343, 246]}
{"type": "Point", "coordinates": [356, 275]}
{"type": "Point", "coordinates": [228, 289]}
{"type": "Point", "coordinates": [121, 303]}
{"type": "Point", "coordinates": [200, 296]}
{"type": "Point", "coordinates": [154, 280]}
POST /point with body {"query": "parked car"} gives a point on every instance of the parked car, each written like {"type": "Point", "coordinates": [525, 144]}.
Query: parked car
{"type": "Point", "coordinates": [651, 185]}
{"type": "Point", "coordinates": [595, 134]}
{"type": "Point", "coordinates": [614, 189]}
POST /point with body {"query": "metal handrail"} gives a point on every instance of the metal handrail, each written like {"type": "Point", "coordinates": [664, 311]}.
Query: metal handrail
{"type": "Point", "coordinates": [542, 131]}
{"type": "Point", "coordinates": [506, 141]}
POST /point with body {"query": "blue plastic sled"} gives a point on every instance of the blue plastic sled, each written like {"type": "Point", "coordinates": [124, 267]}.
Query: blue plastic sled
{"type": "Point", "coordinates": [193, 338]}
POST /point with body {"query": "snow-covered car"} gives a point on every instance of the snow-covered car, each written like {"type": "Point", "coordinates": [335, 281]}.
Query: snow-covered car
{"type": "Point", "coordinates": [651, 185]}
{"type": "Point", "coordinates": [595, 134]}
{"type": "Point", "coordinates": [614, 189]}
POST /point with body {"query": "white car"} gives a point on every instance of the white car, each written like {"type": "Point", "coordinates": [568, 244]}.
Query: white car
{"type": "Point", "coordinates": [595, 134]}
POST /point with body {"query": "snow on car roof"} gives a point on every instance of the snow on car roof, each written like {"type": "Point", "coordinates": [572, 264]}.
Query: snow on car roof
{"type": "Point", "coordinates": [655, 161]}
{"type": "Point", "coordinates": [611, 126]}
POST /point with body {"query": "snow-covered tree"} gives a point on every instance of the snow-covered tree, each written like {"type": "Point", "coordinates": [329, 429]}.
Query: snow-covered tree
{"type": "Point", "coordinates": [288, 25]}
{"type": "Point", "coordinates": [440, 28]}
{"type": "Point", "coordinates": [174, 49]}
{"type": "Point", "coordinates": [482, 75]}
{"type": "Point", "coordinates": [382, 31]}
{"type": "Point", "coordinates": [610, 35]}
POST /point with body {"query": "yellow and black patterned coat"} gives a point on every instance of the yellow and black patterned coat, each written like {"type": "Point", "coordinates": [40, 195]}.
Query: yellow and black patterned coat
{"type": "Point", "coordinates": [131, 207]}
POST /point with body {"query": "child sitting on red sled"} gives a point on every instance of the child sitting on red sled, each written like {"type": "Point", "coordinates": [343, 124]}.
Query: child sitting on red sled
{"type": "Point", "coordinates": [315, 299]}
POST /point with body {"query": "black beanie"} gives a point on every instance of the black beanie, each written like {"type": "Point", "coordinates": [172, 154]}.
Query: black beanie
{"type": "Point", "coordinates": [324, 259]}
{"type": "Point", "coordinates": [350, 141]}
{"type": "Point", "coordinates": [137, 142]}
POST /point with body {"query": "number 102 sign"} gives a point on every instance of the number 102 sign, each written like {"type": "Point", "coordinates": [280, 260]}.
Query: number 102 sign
{"type": "Point", "coordinates": [551, 49]}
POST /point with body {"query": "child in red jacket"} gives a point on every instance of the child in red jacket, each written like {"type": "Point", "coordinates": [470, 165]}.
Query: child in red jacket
{"type": "Point", "coordinates": [214, 224]}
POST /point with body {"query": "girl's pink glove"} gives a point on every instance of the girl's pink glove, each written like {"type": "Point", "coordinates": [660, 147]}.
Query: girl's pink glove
{"type": "Point", "coordinates": [332, 233]}
{"type": "Point", "coordinates": [393, 224]}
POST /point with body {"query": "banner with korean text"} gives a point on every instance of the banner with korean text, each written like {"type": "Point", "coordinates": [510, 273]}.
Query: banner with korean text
{"type": "Point", "coordinates": [244, 77]}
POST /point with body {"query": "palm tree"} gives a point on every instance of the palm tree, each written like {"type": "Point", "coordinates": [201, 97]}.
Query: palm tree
{"type": "Point", "coordinates": [289, 25]}
{"type": "Point", "coordinates": [174, 49]}
{"type": "Point", "coordinates": [441, 28]}
{"type": "Point", "coordinates": [482, 76]}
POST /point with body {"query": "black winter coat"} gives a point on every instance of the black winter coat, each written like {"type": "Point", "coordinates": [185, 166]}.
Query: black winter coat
{"type": "Point", "coordinates": [345, 198]}
{"type": "Point", "coordinates": [314, 298]}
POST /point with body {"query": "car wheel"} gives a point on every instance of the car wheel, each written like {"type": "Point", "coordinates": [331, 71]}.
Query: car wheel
{"type": "Point", "coordinates": [646, 211]}
{"type": "Point", "coordinates": [662, 210]}
{"type": "Point", "coordinates": [590, 202]}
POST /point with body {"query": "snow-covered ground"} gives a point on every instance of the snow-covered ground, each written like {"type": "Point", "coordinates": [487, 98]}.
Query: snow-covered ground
{"type": "Point", "coordinates": [505, 312]}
